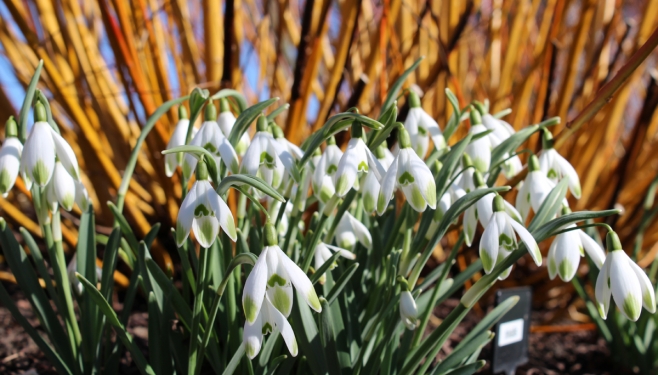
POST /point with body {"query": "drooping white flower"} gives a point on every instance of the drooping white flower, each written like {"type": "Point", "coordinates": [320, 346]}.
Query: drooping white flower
{"type": "Point", "coordinates": [10, 157]}
{"type": "Point", "coordinates": [268, 319]}
{"type": "Point", "coordinates": [555, 167]}
{"type": "Point", "coordinates": [41, 148]}
{"type": "Point", "coordinates": [212, 139]}
{"type": "Point", "coordinates": [61, 189]}
{"type": "Point", "coordinates": [480, 149]}
{"type": "Point", "coordinates": [349, 230]}
{"type": "Point", "coordinates": [173, 161]}
{"type": "Point", "coordinates": [412, 175]}
{"type": "Point", "coordinates": [81, 196]}
{"type": "Point", "coordinates": [323, 176]}
{"type": "Point", "coordinates": [566, 250]}
{"type": "Point", "coordinates": [534, 191]}
{"type": "Point", "coordinates": [204, 212]}
{"type": "Point", "coordinates": [322, 253]}
{"type": "Point", "coordinates": [287, 152]}
{"type": "Point", "coordinates": [265, 157]}
{"type": "Point", "coordinates": [421, 127]}
{"type": "Point", "coordinates": [499, 239]}
{"type": "Point", "coordinates": [352, 163]}
{"type": "Point", "coordinates": [628, 284]}
{"type": "Point", "coordinates": [482, 211]}
{"type": "Point", "coordinates": [226, 121]}
{"type": "Point", "coordinates": [371, 186]}
{"type": "Point", "coordinates": [273, 275]}
{"type": "Point", "coordinates": [408, 310]}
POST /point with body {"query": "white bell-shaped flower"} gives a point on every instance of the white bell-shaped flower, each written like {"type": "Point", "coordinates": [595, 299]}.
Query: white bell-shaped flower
{"type": "Point", "coordinates": [349, 230]}
{"type": "Point", "coordinates": [226, 121]}
{"type": "Point", "coordinates": [10, 157]}
{"type": "Point", "coordinates": [566, 250]}
{"type": "Point", "coordinates": [322, 253]}
{"type": "Point", "coordinates": [421, 127]}
{"type": "Point", "coordinates": [204, 212]}
{"type": "Point", "coordinates": [266, 158]}
{"type": "Point", "coordinates": [173, 161]}
{"type": "Point", "coordinates": [212, 139]}
{"type": "Point", "coordinates": [287, 152]}
{"type": "Point", "coordinates": [273, 275]}
{"type": "Point", "coordinates": [482, 211]}
{"type": "Point", "coordinates": [371, 186]}
{"type": "Point", "coordinates": [323, 176]}
{"type": "Point", "coordinates": [628, 284]}
{"type": "Point", "coordinates": [408, 310]}
{"type": "Point", "coordinates": [81, 196]}
{"type": "Point", "coordinates": [61, 189]}
{"type": "Point", "coordinates": [534, 190]}
{"type": "Point", "coordinates": [480, 149]}
{"type": "Point", "coordinates": [355, 161]}
{"type": "Point", "coordinates": [499, 238]}
{"type": "Point", "coordinates": [268, 319]}
{"type": "Point", "coordinates": [555, 167]}
{"type": "Point", "coordinates": [411, 175]}
{"type": "Point", "coordinates": [42, 147]}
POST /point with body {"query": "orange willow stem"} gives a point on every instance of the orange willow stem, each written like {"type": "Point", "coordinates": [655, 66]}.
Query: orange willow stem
{"type": "Point", "coordinates": [606, 92]}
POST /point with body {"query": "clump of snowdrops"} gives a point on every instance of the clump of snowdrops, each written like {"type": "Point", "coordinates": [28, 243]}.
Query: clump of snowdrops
{"type": "Point", "coordinates": [318, 270]}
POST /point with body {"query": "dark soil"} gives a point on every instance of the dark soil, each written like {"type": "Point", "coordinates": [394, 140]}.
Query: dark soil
{"type": "Point", "coordinates": [555, 353]}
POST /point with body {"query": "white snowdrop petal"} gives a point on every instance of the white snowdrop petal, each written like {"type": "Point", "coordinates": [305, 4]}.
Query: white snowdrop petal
{"type": "Point", "coordinates": [528, 240]}
{"type": "Point", "coordinates": [592, 248]}
{"type": "Point", "coordinates": [10, 156]}
{"type": "Point", "coordinates": [254, 288]}
{"type": "Point", "coordinates": [602, 290]}
{"type": "Point", "coordinates": [284, 328]}
{"type": "Point", "coordinates": [65, 154]}
{"type": "Point", "coordinates": [186, 216]}
{"type": "Point", "coordinates": [569, 172]}
{"type": "Point", "coordinates": [252, 337]}
{"type": "Point", "coordinates": [648, 294]}
{"type": "Point", "coordinates": [299, 279]}
{"type": "Point", "coordinates": [360, 230]}
{"type": "Point", "coordinates": [387, 188]}
{"type": "Point", "coordinates": [567, 254]}
{"type": "Point", "coordinates": [626, 291]}
{"type": "Point", "coordinates": [489, 246]}
{"type": "Point", "coordinates": [64, 187]}
{"type": "Point", "coordinates": [38, 157]}
{"type": "Point", "coordinates": [470, 224]}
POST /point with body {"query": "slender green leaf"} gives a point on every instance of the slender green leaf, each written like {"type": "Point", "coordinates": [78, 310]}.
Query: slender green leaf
{"type": "Point", "coordinates": [27, 103]}
{"type": "Point", "coordinates": [246, 118]}
{"type": "Point", "coordinates": [235, 361]}
{"type": "Point", "coordinates": [230, 93]}
{"type": "Point", "coordinates": [126, 229]}
{"type": "Point", "coordinates": [277, 112]}
{"type": "Point", "coordinates": [395, 88]}
{"type": "Point", "coordinates": [342, 281]}
{"type": "Point", "coordinates": [550, 206]}
{"type": "Point", "coordinates": [253, 181]}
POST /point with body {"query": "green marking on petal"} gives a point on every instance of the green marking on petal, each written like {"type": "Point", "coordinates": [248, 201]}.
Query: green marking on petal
{"type": "Point", "coordinates": [430, 193]}
{"type": "Point", "coordinates": [267, 159]}
{"type": "Point", "coordinates": [251, 351]}
{"type": "Point", "coordinates": [276, 280]}
{"type": "Point", "coordinates": [362, 167]}
{"type": "Point", "coordinates": [369, 202]}
{"type": "Point", "coordinates": [235, 166]}
{"type": "Point", "coordinates": [416, 197]}
{"type": "Point", "coordinates": [267, 328]}
{"type": "Point", "coordinates": [552, 267]}
{"type": "Point", "coordinates": [41, 173]}
{"type": "Point", "coordinates": [326, 193]}
{"type": "Point", "coordinates": [230, 228]}
{"type": "Point", "coordinates": [313, 300]}
{"type": "Point", "coordinates": [331, 169]}
{"type": "Point", "coordinates": [505, 240]}
{"type": "Point", "coordinates": [576, 191]}
{"type": "Point", "coordinates": [406, 178]}
{"type": "Point", "coordinates": [381, 202]}
{"type": "Point", "coordinates": [181, 233]}
{"type": "Point", "coordinates": [241, 148]}
{"type": "Point", "coordinates": [210, 147]}
{"type": "Point", "coordinates": [5, 181]}
{"type": "Point", "coordinates": [632, 307]}
{"type": "Point", "coordinates": [422, 131]}
{"type": "Point", "coordinates": [341, 186]}
{"type": "Point", "coordinates": [295, 349]}
{"type": "Point", "coordinates": [599, 307]}
{"type": "Point", "coordinates": [552, 173]}
{"type": "Point", "coordinates": [68, 201]}
{"type": "Point", "coordinates": [201, 210]}
{"type": "Point", "coordinates": [582, 251]}
{"type": "Point", "coordinates": [345, 244]}
{"type": "Point", "coordinates": [281, 300]}
{"type": "Point", "coordinates": [487, 262]}
{"type": "Point", "coordinates": [206, 232]}
{"type": "Point", "coordinates": [250, 310]}
{"type": "Point", "coordinates": [537, 255]}
{"type": "Point", "coordinates": [480, 165]}
{"type": "Point", "coordinates": [566, 268]}
{"type": "Point", "coordinates": [646, 298]}
{"type": "Point", "coordinates": [73, 173]}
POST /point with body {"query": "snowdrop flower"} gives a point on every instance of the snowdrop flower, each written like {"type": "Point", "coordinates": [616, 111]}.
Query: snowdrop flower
{"type": "Point", "coordinates": [322, 254]}
{"type": "Point", "coordinates": [226, 121]}
{"type": "Point", "coordinates": [408, 310]}
{"type": "Point", "coordinates": [287, 152]}
{"type": "Point", "coordinates": [356, 160]}
{"type": "Point", "coordinates": [271, 277]}
{"type": "Point", "coordinates": [325, 170]}
{"type": "Point", "coordinates": [211, 138]}
{"type": "Point", "coordinates": [371, 186]}
{"type": "Point", "coordinates": [265, 158]}
{"type": "Point", "coordinates": [204, 212]}
{"type": "Point", "coordinates": [480, 149]}
{"type": "Point", "coordinates": [566, 250]}
{"type": "Point", "coordinates": [412, 175]}
{"type": "Point", "coordinates": [626, 281]}
{"type": "Point", "coordinates": [61, 189]}
{"type": "Point", "coordinates": [482, 211]}
{"type": "Point", "coordinates": [422, 127]}
{"type": "Point", "coordinates": [499, 239]}
{"type": "Point", "coordinates": [81, 196]}
{"type": "Point", "coordinates": [268, 319]}
{"type": "Point", "coordinates": [500, 131]}
{"type": "Point", "coordinates": [465, 180]}
{"type": "Point", "coordinates": [172, 161]}
{"type": "Point", "coordinates": [42, 147]}
{"type": "Point", "coordinates": [534, 191]}
{"type": "Point", "coordinates": [10, 157]}
{"type": "Point", "coordinates": [555, 167]}
{"type": "Point", "coordinates": [349, 230]}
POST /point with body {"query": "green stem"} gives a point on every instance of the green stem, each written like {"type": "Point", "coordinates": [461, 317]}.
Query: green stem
{"type": "Point", "coordinates": [197, 311]}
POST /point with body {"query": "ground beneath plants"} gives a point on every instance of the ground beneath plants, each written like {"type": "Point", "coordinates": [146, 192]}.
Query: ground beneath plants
{"type": "Point", "coordinates": [580, 352]}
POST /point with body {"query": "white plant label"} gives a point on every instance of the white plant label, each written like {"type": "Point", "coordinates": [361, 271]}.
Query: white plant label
{"type": "Point", "coordinates": [510, 332]}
